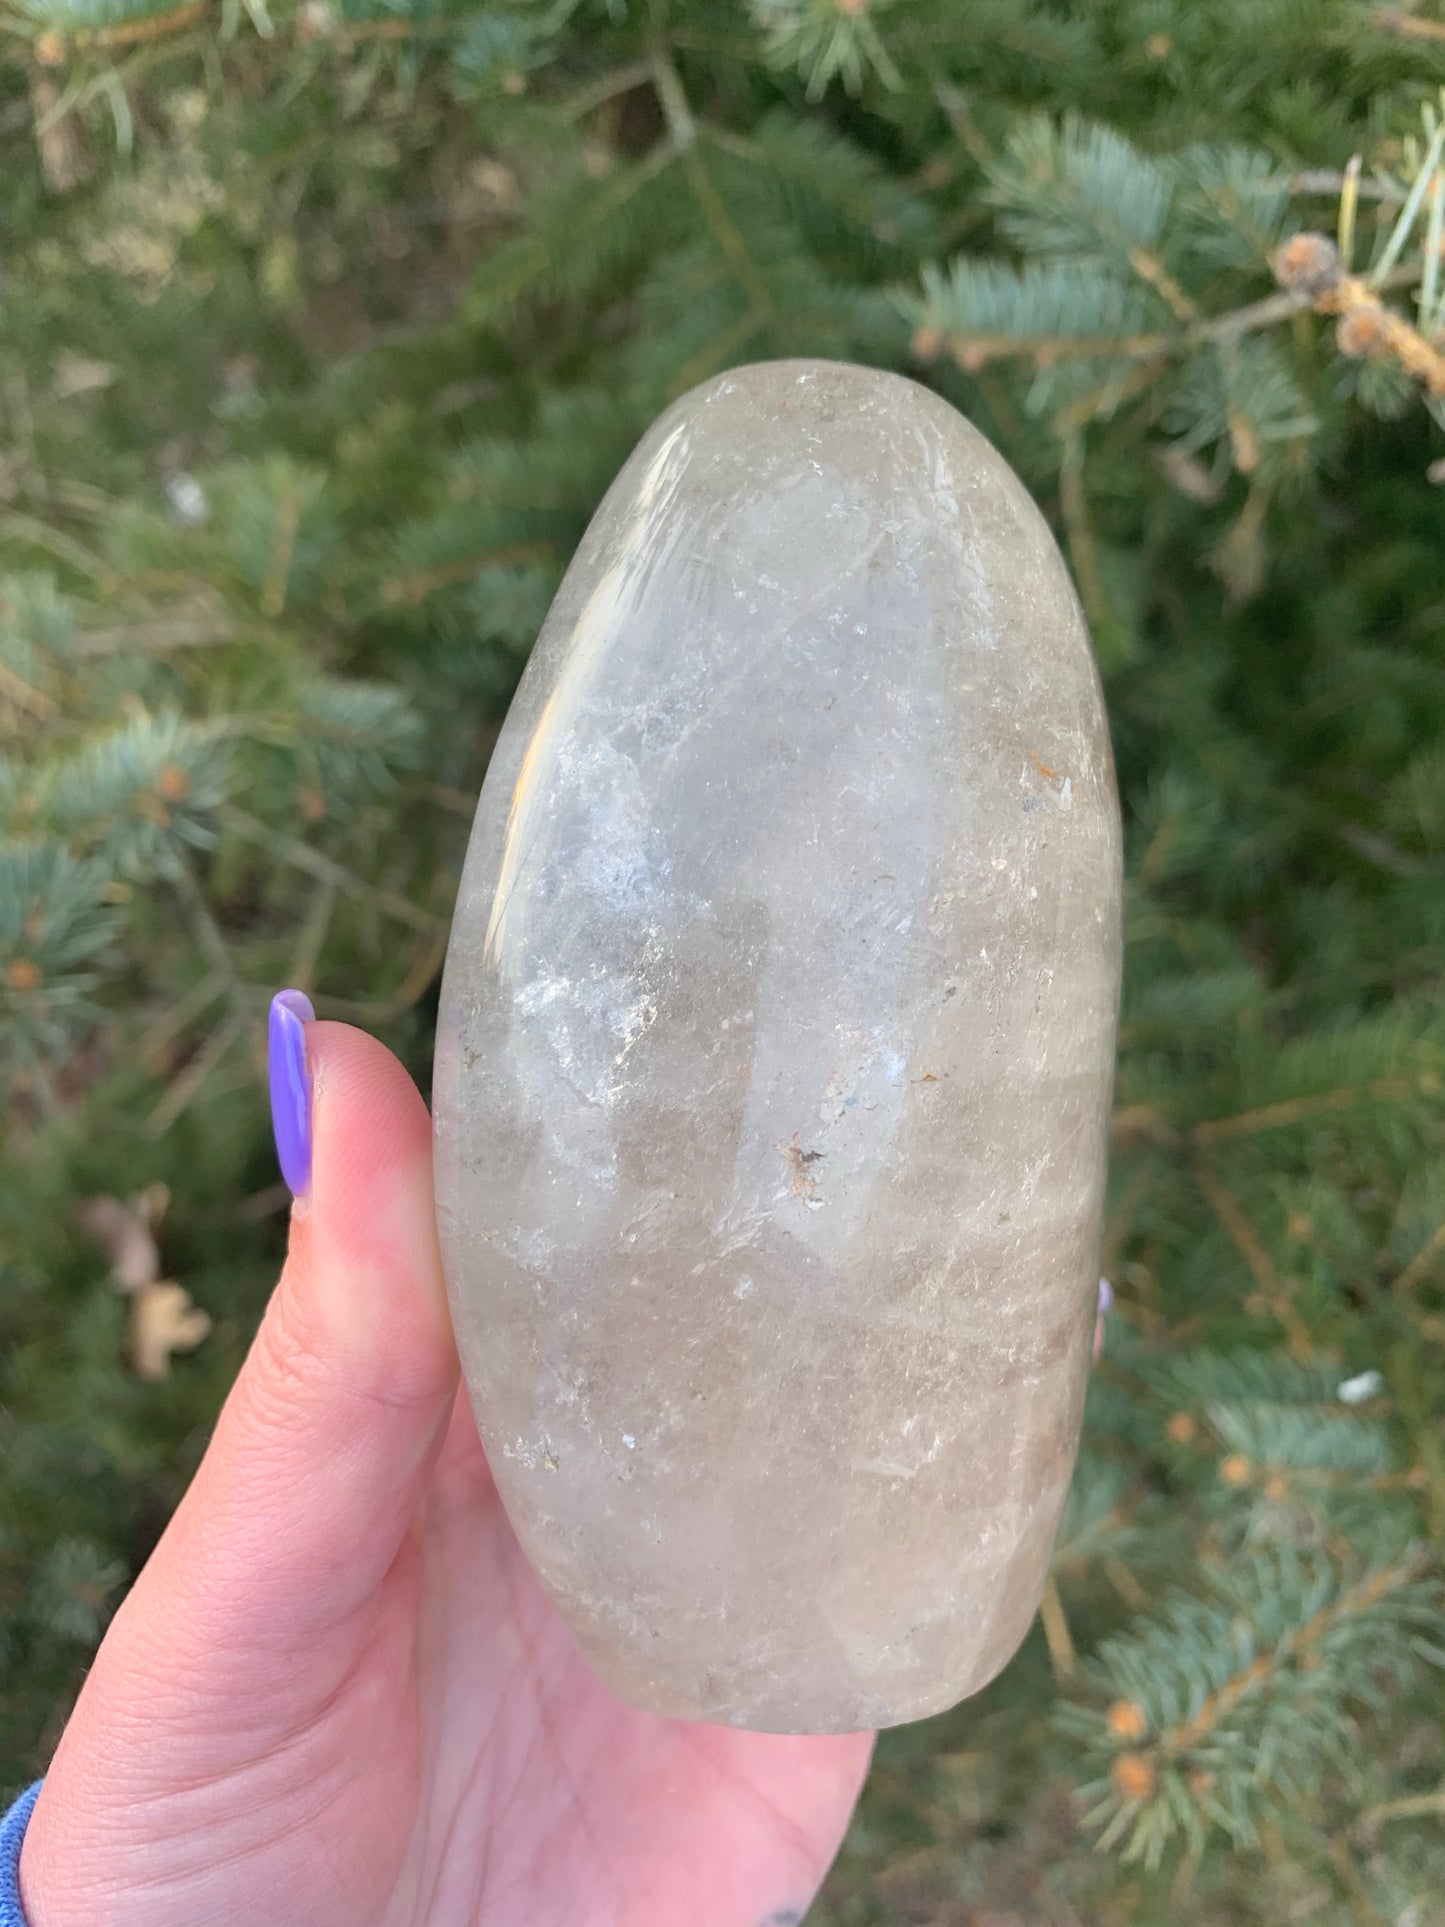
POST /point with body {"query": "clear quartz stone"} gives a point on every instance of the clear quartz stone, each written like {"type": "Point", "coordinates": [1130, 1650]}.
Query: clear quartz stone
{"type": "Point", "coordinates": [774, 1064]}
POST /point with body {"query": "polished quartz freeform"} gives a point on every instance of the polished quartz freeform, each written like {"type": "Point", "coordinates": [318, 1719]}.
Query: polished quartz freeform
{"type": "Point", "coordinates": [774, 1061]}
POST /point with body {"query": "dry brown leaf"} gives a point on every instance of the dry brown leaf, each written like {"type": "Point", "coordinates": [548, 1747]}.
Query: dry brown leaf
{"type": "Point", "coordinates": [127, 1228]}
{"type": "Point", "coordinates": [163, 1319]}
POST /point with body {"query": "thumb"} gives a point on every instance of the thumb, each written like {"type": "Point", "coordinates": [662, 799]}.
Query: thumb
{"type": "Point", "coordinates": [310, 1482]}
{"type": "Point", "coordinates": [293, 1552]}
{"type": "Point", "coordinates": [306, 1492]}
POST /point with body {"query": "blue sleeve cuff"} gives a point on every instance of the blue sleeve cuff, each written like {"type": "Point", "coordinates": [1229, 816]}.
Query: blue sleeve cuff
{"type": "Point", "coordinates": [12, 1832]}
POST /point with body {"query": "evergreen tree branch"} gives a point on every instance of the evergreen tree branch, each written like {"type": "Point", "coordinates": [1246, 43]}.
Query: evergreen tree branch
{"type": "Point", "coordinates": [421, 974]}
{"type": "Point", "coordinates": [682, 128]}
{"type": "Point", "coordinates": [1273, 1293]}
{"type": "Point", "coordinates": [973, 352]}
{"type": "Point", "coordinates": [1282, 1649]}
{"type": "Point", "coordinates": [52, 48]}
{"type": "Point", "coordinates": [1310, 265]}
{"type": "Point", "coordinates": [326, 870]}
{"type": "Point", "coordinates": [154, 1041]}
{"type": "Point", "coordinates": [211, 939]}
{"type": "Point", "coordinates": [1295, 1646]}
{"type": "Point", "coordinates": [419, 584]}
{"type": "Point", "coordinates": [324, 379]}
{"type": "Point", "coordinates": [1419, 1266]}
{"type": "Point", "coordinates": [183, 1091]}
{"type": "Point", "coordinates": [729, 238]}
{"type": "Point", "coordinates": [1297, 1110]}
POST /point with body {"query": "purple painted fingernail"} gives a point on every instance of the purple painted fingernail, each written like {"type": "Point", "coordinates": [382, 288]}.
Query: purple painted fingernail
{"type": "Point", "coordinates": [1106, 1305]}
{"type": "Point", "coordinates": [291, 1012]}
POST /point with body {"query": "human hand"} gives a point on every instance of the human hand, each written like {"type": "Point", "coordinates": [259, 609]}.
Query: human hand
{"type": "Point", "coordinates": [337, 1696]}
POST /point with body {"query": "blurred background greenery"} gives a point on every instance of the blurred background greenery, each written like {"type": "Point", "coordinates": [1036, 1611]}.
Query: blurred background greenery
{"type": "Point", "coordinates": [323, 325]}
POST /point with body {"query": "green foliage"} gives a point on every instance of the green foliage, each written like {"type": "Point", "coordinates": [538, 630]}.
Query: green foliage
{"type": "Point", "coordinates": [1315, 1600]}
{"type": "Point", "coordinates": [827, 42]}
{"type": "Point", "coordinates": [1241, 1698]}
{"type": "Point", "coordinates": [325, 325]}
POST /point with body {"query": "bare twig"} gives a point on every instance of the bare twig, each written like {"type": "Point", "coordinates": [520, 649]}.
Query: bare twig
{"type": "Point", "coordinates": [1409, 26]}
{"type": "Point", "coordinates": [283, 550]}
{"type": "Point", "coordinates": [1416, 1806]}
{"type": "Point", "coordinates": [1420, 1264]}
{"type": "Point", "coordinates": [1078, 528]}
{"type": "Point", "coordinates": [621, 80]}
{"type": "Point", "coordinates": [165, 632]}
{"type": "Point", "coordinates": [1294, 1110]}
{"type": "Point", "coordinates": [1272, 1290]}
{"type": "Point", "coordinates": [1056, 1630]}
{"type": "Point", "coordinates": [421, 583]}
{"type": "Point", "coordinates": [183, 1092]}
{"type": "Point", "coordinates": [326, 870]}
{"type": "Point", "coordinates": [210, 939]}
{"type": "Point", "coordinates": [62, 159]}
{"type": "Point", "coordinates": [52, 48]}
